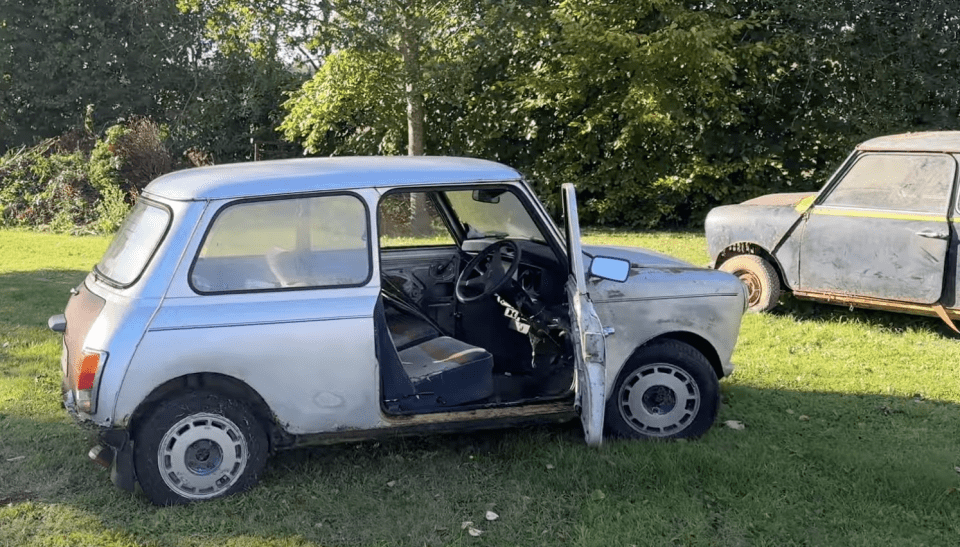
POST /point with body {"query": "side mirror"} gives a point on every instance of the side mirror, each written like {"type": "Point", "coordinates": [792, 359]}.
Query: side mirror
{"type": "Point", "coordinates": [614, 269]}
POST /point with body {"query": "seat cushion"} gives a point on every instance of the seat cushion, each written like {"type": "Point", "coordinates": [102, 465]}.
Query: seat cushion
{"type": "Point", "coordinates": [452, 371]}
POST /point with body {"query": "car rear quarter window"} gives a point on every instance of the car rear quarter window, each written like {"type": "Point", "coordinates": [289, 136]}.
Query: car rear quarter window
{"type": "Point", "coordinates": [919, 183]}
{"type": "Point", "coordinates": [135, 243]}
{"type": "Point", "coordinates": [310, 242]}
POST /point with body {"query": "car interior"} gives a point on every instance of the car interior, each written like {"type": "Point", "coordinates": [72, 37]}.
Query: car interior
{"type": "Point", "coordinates": [472, 311]}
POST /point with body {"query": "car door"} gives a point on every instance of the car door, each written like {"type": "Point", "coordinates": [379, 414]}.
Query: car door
{"type": "Point", "coordinates": [278, 293]}
{"type": "Point", "coordinates": [882, 230]}
{"type": "Point", "coordinates": [587, 333]}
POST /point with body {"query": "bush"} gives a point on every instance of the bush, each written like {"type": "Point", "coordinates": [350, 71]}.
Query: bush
{"type": "Point", "coordinates": [77, 183]}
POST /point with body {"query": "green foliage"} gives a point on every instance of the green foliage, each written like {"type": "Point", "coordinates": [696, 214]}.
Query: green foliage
{"type": "Point", "coordinates": [42, 189]}
{"type": "Point", "coordinates": [104, 173]}
{"type": "Point", "coordinates": [657, 109]}
{"type": "Point", "coordinates": [334, 112]}
{"type": "Point", "coordinates": [79, 184]}
{"type": "Point", "coordinates": [58, 56]}
{"type": "Point", "coordinates": [635, 103]}
{"type": "Point", "coordinates": [123, 60]}
{"type": "Point", "coordinates": [236, 103]}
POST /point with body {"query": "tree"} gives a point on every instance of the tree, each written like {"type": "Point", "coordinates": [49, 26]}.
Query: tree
{"type": "Point", "coordinates": [58, 56]}
{"type": "Point", "coordinates": [235, 102]}
{"type": "Point", "coordinates": [636, 102]}
{"type": "Point", "coordinates": [381, 48]}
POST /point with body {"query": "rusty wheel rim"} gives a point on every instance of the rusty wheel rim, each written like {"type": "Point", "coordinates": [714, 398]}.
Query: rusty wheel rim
{"type": "Point", "coordinates": [754, 287]}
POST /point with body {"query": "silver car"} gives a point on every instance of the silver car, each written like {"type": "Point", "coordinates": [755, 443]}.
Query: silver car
{"type": "Point", "coordinates": [248, 308]}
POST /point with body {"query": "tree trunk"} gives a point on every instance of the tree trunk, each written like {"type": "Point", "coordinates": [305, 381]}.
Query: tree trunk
{"type": "Point", "coordinates": [410, 51]}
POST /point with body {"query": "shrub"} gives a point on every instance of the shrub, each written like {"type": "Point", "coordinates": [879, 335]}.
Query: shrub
{"type": "Point", "coordinates": [77, 183]}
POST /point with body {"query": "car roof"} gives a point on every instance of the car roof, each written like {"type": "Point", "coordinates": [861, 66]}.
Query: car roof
{"type": "Point", "coordinates": [236, 180]}
{"type": "Point", "coordinates": [929, 141]}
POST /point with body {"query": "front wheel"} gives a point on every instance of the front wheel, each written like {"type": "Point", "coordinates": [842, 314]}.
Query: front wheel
{"type": "Point", "coordinates": [763, 285]}
{"type": "Point", "coordinates": [198, 446]}
{"type": "Point", "coordinates": [668, 391]}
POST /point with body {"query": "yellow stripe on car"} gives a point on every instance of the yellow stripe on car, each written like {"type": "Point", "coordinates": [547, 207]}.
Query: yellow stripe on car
{"type": "Point", "coordinates": [878, 214]}
{"type": "Point", "coordinates": [805, 203]}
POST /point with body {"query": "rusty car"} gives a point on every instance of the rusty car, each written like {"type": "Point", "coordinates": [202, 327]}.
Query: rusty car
{"type": "Point", "coordinates": [880, 234]}
{"type": "Point", "coordinates": [248, 308]}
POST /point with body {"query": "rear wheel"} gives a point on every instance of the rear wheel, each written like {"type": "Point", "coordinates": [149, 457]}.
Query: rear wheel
{"type": "Point", "coordinates": [763, 285]}
{"type": "Point", "coordinates": [667, 390]}
{"type": "Point", "coordinates": [198, 446]}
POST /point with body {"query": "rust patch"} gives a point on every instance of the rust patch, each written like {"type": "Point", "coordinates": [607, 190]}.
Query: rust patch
{"type": "Point", "coordinates": [447, 422]}
{"type": "Point", "coordinates": [934, 310]}
{"type": "Point", "coordinates": [779, 199]}
{"type": "Point", "coordinates": [525, 411]}
{"type": "Point", "coordinates": [942, 314]}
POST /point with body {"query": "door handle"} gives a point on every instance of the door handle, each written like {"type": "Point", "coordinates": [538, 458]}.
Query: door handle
{"type": "Point", "coordinates": [933, 234]}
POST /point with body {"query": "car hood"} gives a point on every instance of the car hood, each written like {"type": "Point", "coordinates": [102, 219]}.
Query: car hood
{"type": "Point", "coordinates": [637, 257]}
{"type": "Point", "coordinates": [657, 276]}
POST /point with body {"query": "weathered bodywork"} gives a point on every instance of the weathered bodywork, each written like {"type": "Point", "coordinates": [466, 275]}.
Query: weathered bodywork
{"type": "Point", "coordinates": [314, 359]}
{"type": "Point", "coordinates": [880, 234]}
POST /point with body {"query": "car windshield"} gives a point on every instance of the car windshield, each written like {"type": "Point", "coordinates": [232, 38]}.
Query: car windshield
{"type": "Point", "coordinates": [496, 213]}
{"type": "Point", "coordinates": [134, 244]}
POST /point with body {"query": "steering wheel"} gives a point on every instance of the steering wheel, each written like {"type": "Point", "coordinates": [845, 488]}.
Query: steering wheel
{"type": "Point", "coordinates": [485, 274]}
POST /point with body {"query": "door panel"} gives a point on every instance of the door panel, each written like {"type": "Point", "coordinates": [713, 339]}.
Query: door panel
{"type": "Point", "coordinates": [427, 277]}
{"type": "Point", "coordinates": [587, 332]}
{"type": "Point", "coordinates": [887, 258]}
{"type": "Point", "coordinates": [882, 230]}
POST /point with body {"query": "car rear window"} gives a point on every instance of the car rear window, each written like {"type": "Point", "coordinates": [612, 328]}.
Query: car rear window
{"type": "Point", "coordinates": [134, 245]}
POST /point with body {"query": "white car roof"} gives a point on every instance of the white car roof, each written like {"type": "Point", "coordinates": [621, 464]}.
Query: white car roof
{"type": "Point", "coordinates": [237, 180]}
{"type": "Point", "coordinates": [929, 141]}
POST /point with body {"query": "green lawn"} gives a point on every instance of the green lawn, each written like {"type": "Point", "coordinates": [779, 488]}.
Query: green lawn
{"type": "Point", "coordinates": [850, 438]}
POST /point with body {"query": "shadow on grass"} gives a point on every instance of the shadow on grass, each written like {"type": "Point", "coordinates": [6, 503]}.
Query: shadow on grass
{"type": "Point", "coordinates": [882, 320]}
{"type": "Point", "coordinates": [30, 298]}
{"type": "Point", "coordinates": [826, 468]}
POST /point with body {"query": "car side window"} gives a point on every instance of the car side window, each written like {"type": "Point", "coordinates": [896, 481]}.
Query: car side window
{"type": "Point", "coordinates": [919, 183]}
{"type": "Point", "coordinates": [410, 219]}
{"type": "Point", "coordinates": [309, 242]}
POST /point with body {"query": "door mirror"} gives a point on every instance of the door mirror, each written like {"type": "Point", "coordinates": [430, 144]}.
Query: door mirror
{"type": "Point", "coordinates": [614, 269]}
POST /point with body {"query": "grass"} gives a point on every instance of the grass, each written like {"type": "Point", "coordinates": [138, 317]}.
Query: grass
{"type": "Point", "coordinates": [850, 439]}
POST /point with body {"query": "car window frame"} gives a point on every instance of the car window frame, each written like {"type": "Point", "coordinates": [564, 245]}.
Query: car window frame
{"type": "Point", "coordinates": [841, 174]}
{"type": "Point", "coordinates": [146, 265]}
{"type": "Point", "coordinates": [432, 197]}
{"type": "Point", "coordinates": [554, 238]}
{"type": "Point", "coordinates": [955, 209]}
{"type": "Point", "coordinates": [260, 199]}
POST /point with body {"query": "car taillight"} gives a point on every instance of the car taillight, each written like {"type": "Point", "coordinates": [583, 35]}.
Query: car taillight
{"type": "Point", "coordinates": [85, 370]}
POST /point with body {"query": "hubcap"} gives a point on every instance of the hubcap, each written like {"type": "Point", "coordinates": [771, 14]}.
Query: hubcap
{"type": "Point", "coordinates": [202, 456]}
{"type": "Point", "coordinates": [659, 400]}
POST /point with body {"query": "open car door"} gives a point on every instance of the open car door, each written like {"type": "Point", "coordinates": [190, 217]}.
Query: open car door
{"type": "Point", "coordinates": [587, 333]}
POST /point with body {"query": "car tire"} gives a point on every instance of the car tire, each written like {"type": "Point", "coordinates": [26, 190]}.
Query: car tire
{"type": "Point", "coordinates": [668, 390]}
{"type": "Point", "coordinates": [763, 284]}
{"type": "Point", "coordinates": [198, 446]}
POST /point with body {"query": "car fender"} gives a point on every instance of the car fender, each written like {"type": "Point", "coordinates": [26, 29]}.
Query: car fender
{"type": "Point", "coordinates": [769, 225]}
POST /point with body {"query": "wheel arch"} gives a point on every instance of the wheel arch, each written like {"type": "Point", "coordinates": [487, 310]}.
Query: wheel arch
{"type": "Point", "coordinates": [750, 248]}
{"type": "Point", "coordinates": [215, 383]}
{"type": "Point", "coordinates": [693, 340]}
